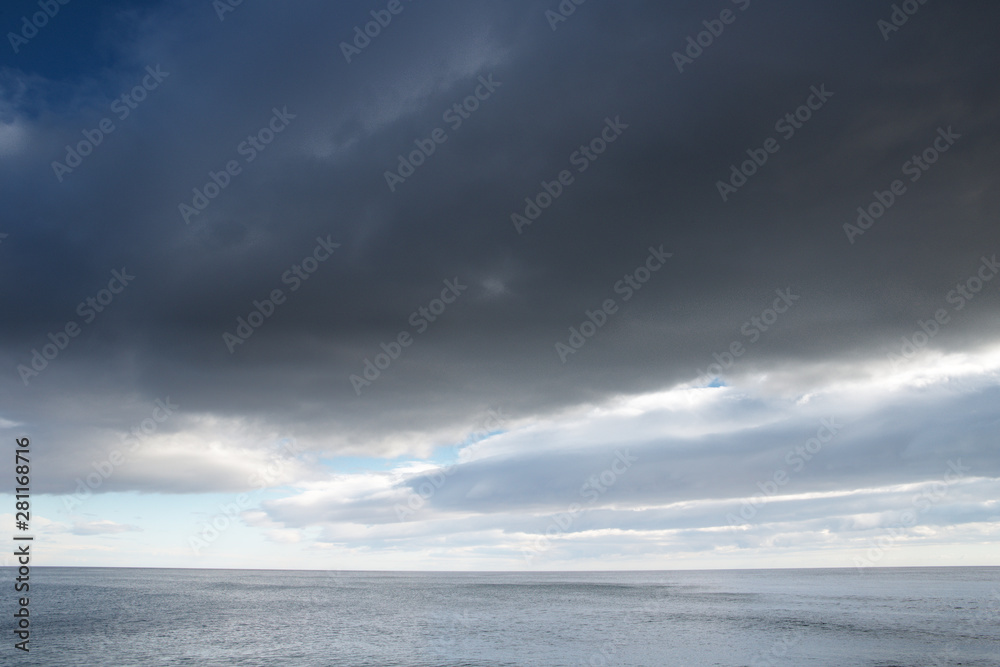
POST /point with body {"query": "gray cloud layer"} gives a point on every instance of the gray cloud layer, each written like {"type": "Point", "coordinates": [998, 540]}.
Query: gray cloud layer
{"type": "Point", "coordinates": [323, 177]}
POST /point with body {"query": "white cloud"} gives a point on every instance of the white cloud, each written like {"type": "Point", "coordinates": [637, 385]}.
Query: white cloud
{"type": "Point", "coordinates": [103, 527]}
{"type": "Point", "coordinates": [677, 498]}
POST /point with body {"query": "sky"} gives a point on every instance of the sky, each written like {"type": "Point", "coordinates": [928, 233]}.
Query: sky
{"type": "Point", "coordinates": [536, 285]}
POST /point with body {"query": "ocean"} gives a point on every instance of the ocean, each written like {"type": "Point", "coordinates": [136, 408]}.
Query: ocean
{"type": "Point", "coordinates": [880, 617]}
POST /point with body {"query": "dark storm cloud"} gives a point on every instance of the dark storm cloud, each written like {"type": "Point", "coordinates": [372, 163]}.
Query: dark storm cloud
{"type": "Point", "coordinates": [323, 177]}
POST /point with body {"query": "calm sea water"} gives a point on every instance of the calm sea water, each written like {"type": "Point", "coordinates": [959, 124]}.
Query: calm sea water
{"type": "Point", "coordinates": [907, 617]}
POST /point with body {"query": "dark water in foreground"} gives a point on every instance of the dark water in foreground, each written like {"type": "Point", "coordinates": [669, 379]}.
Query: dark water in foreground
{"type": "Point", "coordinates": [907, 617]}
